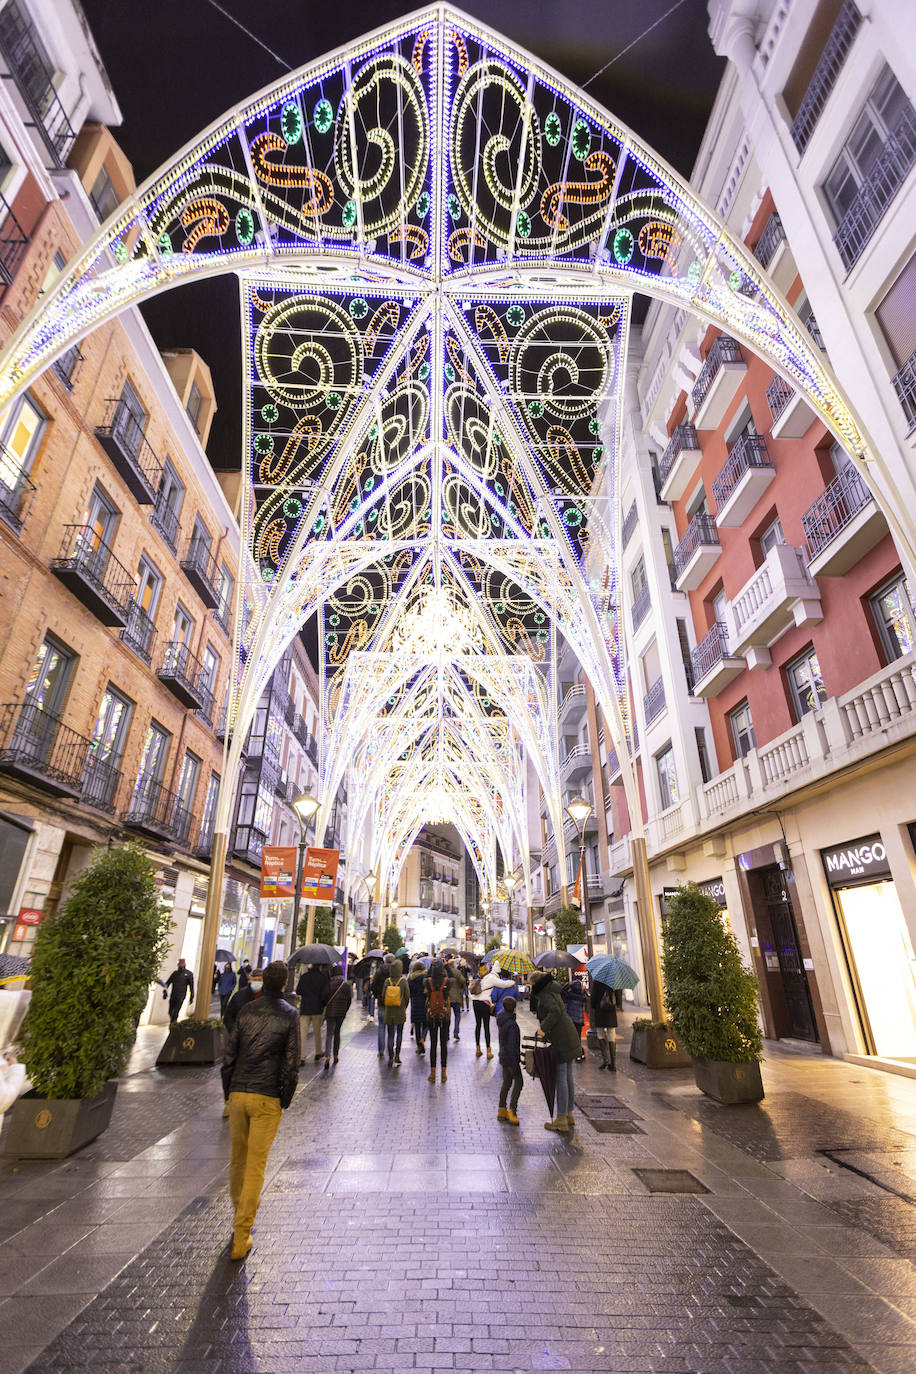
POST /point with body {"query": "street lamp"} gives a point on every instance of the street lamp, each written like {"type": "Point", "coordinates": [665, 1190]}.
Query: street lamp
{"type": "Point", "coordinates": [511, 883]}
{"type": "Point", "coordinates": [579, 810]}
{"type": "Point", "coordinates": [485, 908]}
{"type": "Point", "coordinates": [369, 882]}
{"type": "Point", "coordinates": [306, 807]}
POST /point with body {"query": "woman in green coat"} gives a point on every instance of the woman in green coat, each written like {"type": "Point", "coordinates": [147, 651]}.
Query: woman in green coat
{"type": "Point", "coordinates": [563, 1036]}
{"type": "Point", "coordinates": [395, 1010]}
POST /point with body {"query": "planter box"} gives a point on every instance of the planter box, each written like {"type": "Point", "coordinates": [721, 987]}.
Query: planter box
{"type": "Point", "coordinates": [728, 1083]}
{"type": "Point", "coordinates": [54, 1127]}
{"type": "Point", "coordinates": [183, 1046]}
{"type": "Point", "coordinates": [658, 1049]}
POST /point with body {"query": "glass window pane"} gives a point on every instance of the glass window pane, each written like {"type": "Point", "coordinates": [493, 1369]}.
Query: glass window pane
{"type": "Point", "coordinates": [896, 619]}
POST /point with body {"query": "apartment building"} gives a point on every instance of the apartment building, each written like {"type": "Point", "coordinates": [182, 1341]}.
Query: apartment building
{"type": "Point", "coordinates": [770, 620]}
{"type": "Point", "coordinates": [119, 551]}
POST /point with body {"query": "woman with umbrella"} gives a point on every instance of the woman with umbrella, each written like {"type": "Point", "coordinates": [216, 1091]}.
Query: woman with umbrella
{"type": "Point", "coordinates": [564, 1038]}
{"type": "Point", "coordinates": [573, 995]}
{"type": "Point", "coordinates": [609, 976]}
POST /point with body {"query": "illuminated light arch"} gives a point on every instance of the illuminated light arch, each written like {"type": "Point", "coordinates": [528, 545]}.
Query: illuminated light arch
{"type": "Point", "coordinates": [437, 238]}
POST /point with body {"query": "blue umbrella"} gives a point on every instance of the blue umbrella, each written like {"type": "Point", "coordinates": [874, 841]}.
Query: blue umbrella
{"type": "Point", "coordinates": [611, 971]}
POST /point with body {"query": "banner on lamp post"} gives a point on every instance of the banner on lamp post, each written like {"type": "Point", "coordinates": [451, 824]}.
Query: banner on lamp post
{"type": "Point", "coordinates": [319, 875]}
{"type": "Point", "coordinates": [278, 870]}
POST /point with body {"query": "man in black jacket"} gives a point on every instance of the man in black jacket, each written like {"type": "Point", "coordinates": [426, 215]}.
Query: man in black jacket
{"type": "Point", "coordinates": [312, 991]}
{"type": "Point", "coordinates": [260, 1072]}
{"type": "Point", "coordinates": [181, 982]}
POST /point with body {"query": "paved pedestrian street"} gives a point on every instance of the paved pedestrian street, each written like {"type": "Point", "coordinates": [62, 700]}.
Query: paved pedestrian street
{"type": "Point", "coordinates": [403, 1227]}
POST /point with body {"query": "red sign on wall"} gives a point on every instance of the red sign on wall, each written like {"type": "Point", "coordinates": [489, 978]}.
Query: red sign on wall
{"type": "Point", "coordinates": [319, 875]}
{"type": "Point", "coordinates": [29, 915]}
{"type": "Point", "coordinates": [278, 870]}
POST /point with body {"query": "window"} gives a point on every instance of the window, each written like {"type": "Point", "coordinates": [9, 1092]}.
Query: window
{"type": "Point", "coordinates": [719, 607]}
{"type": "Point", "coordinates": [182, 626]}
{"type": "Point", "coordinates": [702, 752]}
{"type": "Point", "coordinates": [19, 440]}
{"type": "Point", "coordinates": [187, 782]}
{"type": "Point", "coordinates": [698, 505]}
{"type": "Point", "coordinates": [148, 586]}
{"type": "Point", "coordinates": [111, 727]}
{"type": "Point", "coordinates": [210, 669]}
{"type": "Point", "coordinates": [47, 684]}
{"type": "Point", "coordinates": [771, 536]}
{"type": "Point", "coordinates": [742, 728]}
{"type": "Point", "coordinates": [882, 113]}
{"type": "Point", "coordinates": [839, 459]}
{"type": "Point", "coordinates": [168, 503]}
{"type": "Point", "coordinates": [59, 262]}
{"type": "Point", "coordinates": [153, 757]}
{"type": "Point", "coordinates": [895, 616]}
{"type": "Point", "coordinates": [897, 318]}
{"type": "Point", "coordinates": [195, 401]}
{"type": "Point", "coordinates": [805, 683]}
{"type": "Point", "coordinates": [638, 578]}
{"type": "Point", "coordinates": [104, 197]}
{"type": "Point", "coordinates": [666, 773]}
{"type": "Point", "coordinates": [100, 518]}
{"type": "Point", "coordinates": [200, 539]}
{"type": "Point", "coordinates": [741, 425]}
{"type": "Point", "coordinates": [130, 419]}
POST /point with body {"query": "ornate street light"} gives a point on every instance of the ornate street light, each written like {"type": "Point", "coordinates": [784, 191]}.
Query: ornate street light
{"type": "Point", "coordinates": [369, 881]}
{"type": "Point", "coordinates": [306, 808]}
{"type": "Point", "coordinates": [511, 883]}
{"type": "Point", "coordinates": [579, 810]}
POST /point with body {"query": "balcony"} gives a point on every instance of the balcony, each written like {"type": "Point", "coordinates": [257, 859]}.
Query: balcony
{"type": "Point", "coordinates": [65, 367]}
{"type": "Point", "coordinates": [166, 521]}
{"type": "Point", "coordinates": [718, 382]}
{"type": "Point", "coordinates": [679, 462]}
{"type": "Point", "coordinates": [139, 632]}
{"type": "Point", "coordinates": [13, 242]}
{"type": "Point", "coordinates": [572, 707]}
{"type": "Point", "coordinates": [904, 384]}
{"type": "Point", "coordinates": [712, 667]}
{"type": "Point", "coordinates": [825, 75]}
{"type": "Point", "coordinates": [180, 672]}
{"type": "Point", "coordinates": [577, 764]}
{"type": "Point", "coordinates": [35, 84]}
{"type": "Point", "coordinates": [642, 604]}
{"type": "Point", "coordinates": [199, 567]}
{"type": "Point", "coordinates": [204, 846]}
{"type": "Point", "coordinates": [122, 438]}
{"type": "Point", "coordinates": [842, 525]}
{"type": "Point", "coordinates": [207, 708]}
{"type": "Point", "coordinates": [887, 174]}
{"type": "Point", "coordinates": [781, 593]}
{"type": "Point", "coordinates": [155, 810]}
{"type": "Point", "coordinates": [696, 553]}
{"type": "Point", "coordinates": [742, 481]}
{"type": "Point", "coordinates": [38, 748]}
{"type": "Point", "coordinates": [653, 703]}
{"type": "Point", "coordinates": [16, 490]}
{"type": "Point", "coordinates": [770, 241]}
{"type": "Point", "coordinates": [101, 784]}
{"type": "Point", "coordinates": [613, 765]}
{"type": "Point", "coordinates": [88, 568]}
{"type": "Point", "coordinates": [790, 415]}
{"type": "Point", "coordinates": [630, 521]}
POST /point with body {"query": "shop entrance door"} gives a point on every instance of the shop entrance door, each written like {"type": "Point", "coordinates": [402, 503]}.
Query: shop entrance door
{"type": "Point", "coordinates": [785, 943]}
{"type": "Point", "coordinates": [883, 967]}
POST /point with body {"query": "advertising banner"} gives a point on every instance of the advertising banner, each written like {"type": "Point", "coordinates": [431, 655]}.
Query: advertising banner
{"type": "Point", "coordinates": [319, 875]}
{"type": "Point", "coordinates": [278, 870]}
{"type": "Point", "coordinates": [29, 915]}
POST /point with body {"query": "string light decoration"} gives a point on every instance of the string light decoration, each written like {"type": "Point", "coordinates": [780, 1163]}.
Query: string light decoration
{"type": "Point", "coordinates": [436, 240]}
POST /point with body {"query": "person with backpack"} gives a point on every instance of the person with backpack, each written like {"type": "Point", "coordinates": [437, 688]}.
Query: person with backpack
{"type": "Point", "coordinates": [337, 996]}
{"type": "Point", "coordinates": [379, 979]}
{"type": "Point", "coordinates": [456, 985]}
{"type": "Point", "coordinates": [395, 996]}
{"type": "Point", "coordinates": [563, 1036]}
{"type": "Point", "coordinates": [510, 1059]}
{"type": "Point", "coordinates": [573, 995]}
{"type": "Point", "coordinates": [438, 1011]}
{"type": "Point", "coordinates": [603, 1003]}
{"type": "Point", "coordinates": [415, 980]}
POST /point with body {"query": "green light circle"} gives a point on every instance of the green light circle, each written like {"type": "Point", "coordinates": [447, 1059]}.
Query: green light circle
{"type": "Point", "coordinates": [264, 443]}
{"type": "Point", "coordinates": [735, 280]}
{"type": "Point", "coordinates": [165, 246]}
{"type": "Point", "coordinates": [593, 425]}
{"type": "Point", "coordinates": [581, 140]}
{"type": "Point", "coordinates": [552, 129]}
{"type": "Point", "coordinates": [423, 204]}
{"type": "Point", "coordinates": [624, 243]}
{"type": "Point", "coordinates": [536, 409]}
{"type": "Point", "coordinates": [694, 272]}
{"type": "Point", "coordinates": [333, 619]}
{"type": "Point", "coordinates": [449, 372]}
{"type": "Point", "coordinates": [333, 400]}
{"type": "Point", "coordinates": [269, 413]}
{"type": "Point", "coordinates": [120, 251]}
{"type": "Point", "coordinates": [454, 207]}
{"type": "Point", "coordinates": [423, 371]}
{"type": "Point", "coordinates": [523, 224]}
{"type": "Point", "coordinates": [244, 226]}
{"type": "Point", "coordinates": [359, 308]}
{"type": "Point", "coordinates": [515, 315]}
{"type": "Point", "coordinates": [323, 116]}
{"type": "Point", "coordinates": [291, 122]}
{"type": "Point", "coordinates": [292, 508]}
{"type": "Point", "coordinates": [349, 214]}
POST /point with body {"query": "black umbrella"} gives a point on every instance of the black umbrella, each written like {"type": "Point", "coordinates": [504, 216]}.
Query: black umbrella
{"type": "Point", "coordinates": [375, 954]}
{"type": "Point", "coordinates": [558, 958]}
{"type": "Point", "coordinates": [314, 954]}
{"type": "Point", "coordinates": [224, 956]}
{"type": "Point", "coordinates": [364, 965]}
{"type": "Point", "coordinates": [545, 1068]}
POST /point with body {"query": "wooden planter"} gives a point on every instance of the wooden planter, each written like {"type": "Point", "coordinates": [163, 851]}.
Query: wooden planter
{"type": "Point", "coordinates": [54, 1127]}
{"type": "Point", "coordinates": [658, 1048]}
{"type": "Point", "coordinates": [728, 1083]}
{"type": "Point", "coordinates": [184, 1046]}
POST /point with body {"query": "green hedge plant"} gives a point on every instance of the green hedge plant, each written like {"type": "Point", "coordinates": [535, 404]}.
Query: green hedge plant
{"type": "Point", "coordinates": [391, 940]}
{"type": "Point", "coordinates": [711, 997]}
{"type": "Point", "coordinates": [91, 971]}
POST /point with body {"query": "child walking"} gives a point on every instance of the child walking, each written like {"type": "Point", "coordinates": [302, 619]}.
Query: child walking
{"type": "Point", "coordinates": [510, 1059]}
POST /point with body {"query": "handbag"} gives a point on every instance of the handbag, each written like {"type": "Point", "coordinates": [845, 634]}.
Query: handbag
{"type": "Point", "coordinates": [607, 1002]}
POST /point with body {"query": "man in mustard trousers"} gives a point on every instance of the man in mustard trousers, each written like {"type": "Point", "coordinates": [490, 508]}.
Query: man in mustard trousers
{"type": "Point", "coordinates": [260, 1072]}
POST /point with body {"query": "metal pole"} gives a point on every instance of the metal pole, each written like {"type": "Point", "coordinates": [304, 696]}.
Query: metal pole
{"type": "Point", "coordinates": [310, 913]}
{"type": "Point", "coordinates": [586, 909]}
{"type": "Point", "coordinates": [509, 942]}
{"type": "Point", "coordinates": [297, 895]}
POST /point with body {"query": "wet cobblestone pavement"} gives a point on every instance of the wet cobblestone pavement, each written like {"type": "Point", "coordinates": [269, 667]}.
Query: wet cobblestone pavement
{"type": "Point", "coordinates": [403, 1228]}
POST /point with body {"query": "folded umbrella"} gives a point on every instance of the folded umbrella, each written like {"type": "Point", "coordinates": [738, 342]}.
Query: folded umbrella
{"type": "Point", "coordinates": [558, 958]}
{"type": "Point", "coordinates": [611, 971]}
{"type": "Point", "coordinates": [545, 1068]}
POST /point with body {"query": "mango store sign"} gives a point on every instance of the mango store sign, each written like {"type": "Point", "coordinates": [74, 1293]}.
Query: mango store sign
{"type": "Point", "coordinates": [850, 863]}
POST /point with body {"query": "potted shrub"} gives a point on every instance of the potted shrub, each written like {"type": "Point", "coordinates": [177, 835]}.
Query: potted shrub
{"type": "Point", "coordinates": [712, 998]}
{"type": "Point", "coordinates": [91, 971]}
{"type": "Point", "coordinates": [656, 1044]}
{"type": "Point", "coordinates": [194, 1041]}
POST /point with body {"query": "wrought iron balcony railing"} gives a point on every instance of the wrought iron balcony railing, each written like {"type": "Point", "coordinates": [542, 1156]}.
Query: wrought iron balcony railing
{"type": "Point", "coordinates": [825, 75]}
{"type": "Point", "coordinates": [13, 242]}
{"type": "Point", "coordinates": [139, 632]}
{"type": "Point", "coordinates": [207, 705]}
{"type": "Point", "coordinates": [101, 783]}
{"type": "Point", "coordinates": [157, 811]}
{"type": "Point", "coordinates": [724, 350]}
{"type": "Point", "coordinates": [28, 67]}
{"type": "Point", "coordinates": [181, 670]}
{"type": "Point", "coordinates": [779, 394]}
{"type": "Point", "coordinates": [199, 567]}
{"type": "Point", "coordinates": [123, 440]}
{"type": "Point", "coordinates": [653, 703]}
{"type": "Point", "coordinates": [701, 530]}
{"type": "Point", "coordinates": [40, 749]}
{"type": "Point", "coordinates": [16, 490]}
{"type": "Point", "coordinates": [773, 235]}
{"type": "Point", "coordinates": [86, 565]}
{"type": "Point", "coordinates": [712, 648]}
{"type": "Point", "coordinates": [165, 520]}
{"type": "Point", "coordinates": [886, 175]}
{"type": "Point", "coordinates": [630, 521]}
{"type": "Point", "coordinates": [248, 843]}
{"type": "Point", "coordinates": [684, 436]}
{"type": "Point", "coordinates": [838, 504]}
{"type": "Point", "coordinates": [750, 451]}
{"type": "Point", "coordinates": [65, 366]}
{"type": "Point", "coordinates": [904, 383]}
{"type": "Point", "coordinates": [642, 604]}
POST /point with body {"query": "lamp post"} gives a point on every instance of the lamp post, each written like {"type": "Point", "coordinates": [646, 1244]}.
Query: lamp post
{"type": "Point", "coordinates": [306, 807]}
{"type": "Point", "coordinates": [511, 883]}
{"type": "Point", "coordinates": [369, 882]}
{"type": "Point", "coordinates": [485, 908]}
{"type": "Point", "coordinates": [579, 810]}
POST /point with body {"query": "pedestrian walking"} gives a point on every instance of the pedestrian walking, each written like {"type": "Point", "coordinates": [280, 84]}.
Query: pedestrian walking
{"type": "Point", "coordinates": [311, 989]}
{"type": "Point", "coordinates": [573, 995]}
{"type": "Point", "coordinates": [563, 1036]}
{"type": "Point", "coordinates": [240, 998]}
{"type": "Point", "coordinates": [379, 979]}
{"type": "Point", "coordinates": [396, 996]}
{"type": "Point", "coordinates": [415, 980]}
{"type": "Point", "coordinates": [456, 985]}
{"type": "Point", "coordinates": [338, 994]}
{"type": "Point", "coordinates": [483, 1010]}
{"type": "Point", "coordinates": [177, 987]}
{"type": "Point", "coordinates": [260, 1070]}
{"type": "Point", "coordinates": [603, 1005]}
{"type": "Point", "coordinates": [510, 1059]}
{"type": "Point", "coordinates": [226, 987]}
{"type": "Point", "coordinates": [466, 975]}
{"type": "Point", "coordinates": [437, 1017]}
{"type": "Point", "coordinates": [244, 973]}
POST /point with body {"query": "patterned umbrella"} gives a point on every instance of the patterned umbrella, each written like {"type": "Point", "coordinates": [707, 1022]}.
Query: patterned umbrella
{"type": "Point", "coordinates": [512, 961]}
{"type": "Point", "coordinates": [611, 971]}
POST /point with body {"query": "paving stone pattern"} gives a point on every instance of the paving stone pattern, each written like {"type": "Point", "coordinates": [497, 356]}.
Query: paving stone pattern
{"type": "Point", "coordinates": [404, 1228]}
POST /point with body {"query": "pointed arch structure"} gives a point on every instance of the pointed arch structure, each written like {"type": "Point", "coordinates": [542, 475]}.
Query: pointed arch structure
{"type": "Point", "coordinates": [437, 239]}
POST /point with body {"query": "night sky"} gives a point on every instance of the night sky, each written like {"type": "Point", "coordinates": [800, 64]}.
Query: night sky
{"type": "Point", "coordinates": [177, 68]}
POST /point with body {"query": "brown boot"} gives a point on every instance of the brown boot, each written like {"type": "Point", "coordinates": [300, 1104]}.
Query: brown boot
{"type": "Point", "coordinates": [489, 1053]}
{"type": "Point", "coordinates": [444, 1076]}
{"type": "Point", "coordinates": [241, 1244]}
{"type": "Point", "coordinates": [559, 1123]}
{"type": "Point", "coordinates": [432, 1076]}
